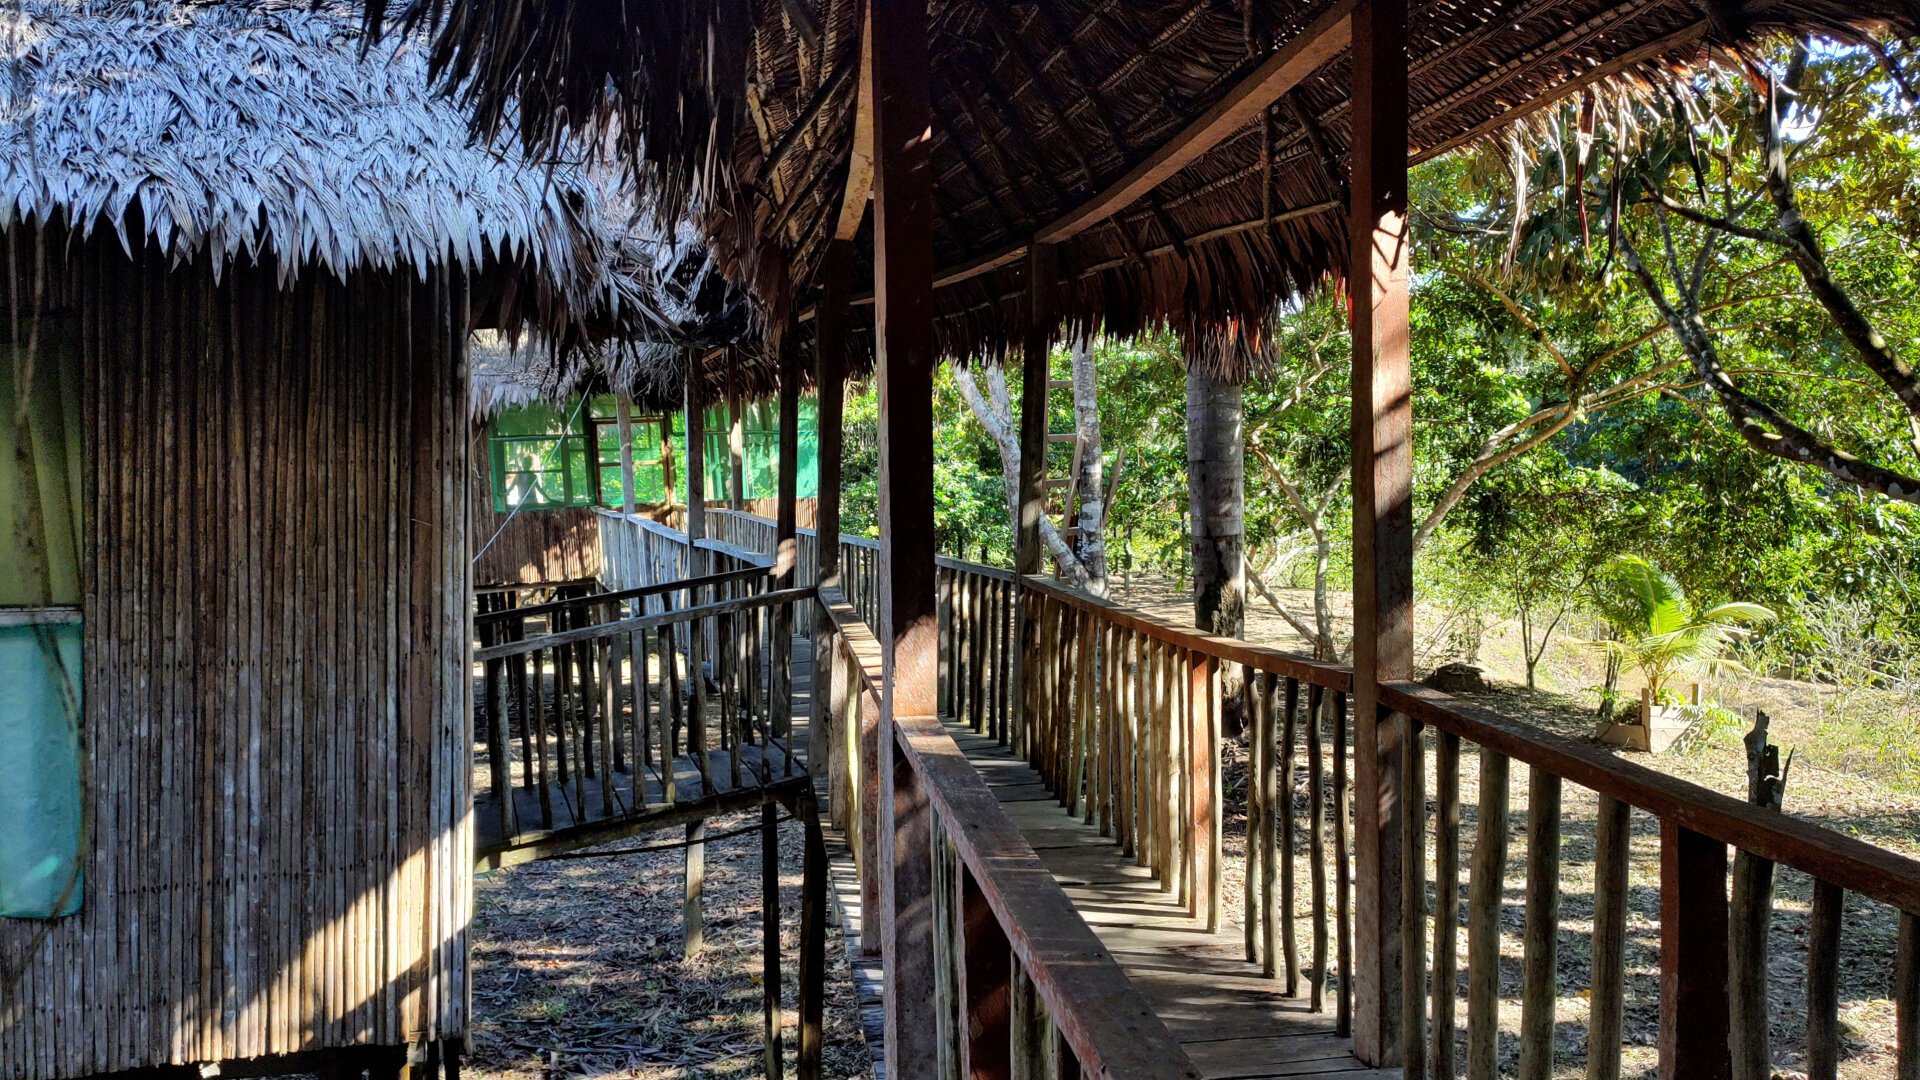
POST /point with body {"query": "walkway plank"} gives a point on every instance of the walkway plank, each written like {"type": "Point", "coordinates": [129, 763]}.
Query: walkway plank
{"type": "Point", "coordinates": [1234, 1023]}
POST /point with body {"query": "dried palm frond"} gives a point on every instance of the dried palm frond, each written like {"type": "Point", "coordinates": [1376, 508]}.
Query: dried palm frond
{"type": "Point", "coordinates": [267, 131]}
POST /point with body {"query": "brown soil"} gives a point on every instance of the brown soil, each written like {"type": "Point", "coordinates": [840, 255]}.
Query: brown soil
{"type": "Point", "coordinates": [578, 970]}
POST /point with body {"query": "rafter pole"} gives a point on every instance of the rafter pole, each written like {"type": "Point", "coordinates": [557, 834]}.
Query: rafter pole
{"type": "Point", "coordinates": [903, 329]}
{"type": "Point", "coordinates": [1382, 519]}
{"type": "Point", "coordinates": [853, 200]}
{"type": "Point", "coordinates": [1285, 69]}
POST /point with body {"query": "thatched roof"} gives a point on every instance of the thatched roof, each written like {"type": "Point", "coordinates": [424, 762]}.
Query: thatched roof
{"type": "Point", "coordinates": [1038, 106]}
{"type": "Point", "coordinates": [260, 130]}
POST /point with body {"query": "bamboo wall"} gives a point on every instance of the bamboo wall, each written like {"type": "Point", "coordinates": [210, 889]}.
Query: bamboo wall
{"type": "Point", "coordinates": [275, 638]}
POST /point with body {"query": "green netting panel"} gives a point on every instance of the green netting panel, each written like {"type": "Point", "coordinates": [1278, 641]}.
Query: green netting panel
{"type": "Point", "coordinates": [541, 457]}
{"type": "Point", "coordinates": [538, 455]}
{"type": "Point", "coordinates": [40, 789]}
{"type": "Point", "coordinates": [760, 470]}
{"type": "Point", "coordinates": [41, 463]}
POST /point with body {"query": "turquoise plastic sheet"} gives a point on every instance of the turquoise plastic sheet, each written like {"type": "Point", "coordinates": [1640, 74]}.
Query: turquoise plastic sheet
{"type": "Point", "coordinates": [40, 770]}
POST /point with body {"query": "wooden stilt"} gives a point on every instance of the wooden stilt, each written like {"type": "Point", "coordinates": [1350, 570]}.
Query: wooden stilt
{"type": "Point", "coordinates": [773, 1046]}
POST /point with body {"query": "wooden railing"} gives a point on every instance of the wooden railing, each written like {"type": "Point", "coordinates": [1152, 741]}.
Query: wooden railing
{"type": "Point", "coordinates": [1019, 984]}
{"type": "Point", "coordinates": [859, 557]}
{"type": "Point", "coordinates": [1715, 1007]}
{"type": "Point", "coordinates": [600, 708]}
{"type": "Point", "coordinates": [1120, 713]}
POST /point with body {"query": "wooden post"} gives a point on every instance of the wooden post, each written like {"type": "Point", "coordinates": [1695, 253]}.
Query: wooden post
{"type": "Point", "coordinates": [772, 1050]}
{"type": "Point", "coordinates": [697, 566]}
{"type": "Point", "coordinates": [625, 414]}
{"type": "Point", "coordinates": [692, 906]}
{"type": "Point", "coordinates": [786, 551]}
{"type": "Point", "coordinates": [1612, 851]}
{"type": "Point", "coordinates": [903, 324]}
{"type": "Point", "coordinates": [666, 462]}
{"type": "Point", "coordinates": [736, 442]}
{"type": "Point", "coordinates": [830, 374]}
{"type": "Point", "coordinates": [1823, 982]}
{"type": "Point", "coordinates": [813, 942]}
{"type": "Point", "coordinates": [1201, 714]}
{"type": "Point", "coordinates": [1382, 512]}
{"type": "Point", "coordinates": [1042, 268]}
{"type": "Point", "coordinates": [1693, 956]}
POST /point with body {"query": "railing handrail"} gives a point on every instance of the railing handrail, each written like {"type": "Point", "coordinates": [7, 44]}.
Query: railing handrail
{"type": "Point", "coordinates": [1232, 650]}
{"type": "Point", "coordinates": [642, 622]}
{"type": "Point", "coordinates": [594, 599]}
{"type": "Point", "coordinates": [668, 532]}
{"type": "Point", "coordinates": [1097, 1009]}
{"type": "Point", "coordinates": [1808, 846]}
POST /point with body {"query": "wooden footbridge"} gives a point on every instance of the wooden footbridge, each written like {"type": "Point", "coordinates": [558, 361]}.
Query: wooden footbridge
{"type": "Point", "coordinates": [1063, 814]}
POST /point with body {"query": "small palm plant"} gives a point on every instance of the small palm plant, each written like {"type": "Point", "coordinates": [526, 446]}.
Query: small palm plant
{"type": "Point", "coordinates": [1658, 631]}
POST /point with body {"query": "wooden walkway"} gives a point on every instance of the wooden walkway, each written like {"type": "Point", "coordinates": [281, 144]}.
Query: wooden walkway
{"type": "Point", "coordinates": [1234, 1024]}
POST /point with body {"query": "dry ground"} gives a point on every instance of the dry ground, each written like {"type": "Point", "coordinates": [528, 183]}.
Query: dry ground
{"type": "Point", "coordinates": [1853, 784]}
{"type": "Point", "coordinates": [578, 968]}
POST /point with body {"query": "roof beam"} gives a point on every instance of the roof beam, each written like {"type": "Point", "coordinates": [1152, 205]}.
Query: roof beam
{"type": "Point", "coordinates": [1289, 65]}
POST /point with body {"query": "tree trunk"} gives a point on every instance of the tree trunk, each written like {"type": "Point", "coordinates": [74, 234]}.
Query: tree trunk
{"type": "Point", "coordinates": [1216, 483]}
{"type": "Point", "coordinates": [1091, 545]}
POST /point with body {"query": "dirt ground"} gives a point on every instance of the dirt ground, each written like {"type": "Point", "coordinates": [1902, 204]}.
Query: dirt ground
{"type": "Point", "coordinates": [577, 968]}
{"type": "Point", "coordinates": [1834, 780]}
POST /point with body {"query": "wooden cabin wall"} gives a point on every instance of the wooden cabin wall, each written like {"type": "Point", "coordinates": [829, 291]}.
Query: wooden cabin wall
{"type": "Point", "coordinates": [275, 651]}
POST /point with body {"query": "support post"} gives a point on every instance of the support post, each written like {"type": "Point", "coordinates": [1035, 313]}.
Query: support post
{"type": "Point", "coordinates": [1382, 513]}
{"type": "Point", "coordinates": [737, 443]}
{"type": "Point", "coordinates": [625, 414]}
{"type": "Point", "coordinates": [829, 378]}
{"type": "Point", "coordinates": [786, 549]}
{"type": "Point", "coordinates": [772, 1048]}
{"type": "Point", "coordinates": [903, 321]}
{"type": "Point", "coordinates": [666, 464]}
{"type": "Point", "coordinates": [697, 566]}
{"type": "Point", "coordinates": [813, 942]}
{"type": "Point", "coordinates": [1042, 270]}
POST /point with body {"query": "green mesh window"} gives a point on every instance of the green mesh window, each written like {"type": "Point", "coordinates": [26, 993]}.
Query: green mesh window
{"type": "Point", "coordinates": [760, 469]}
{"type": "Point", "coordinates": [41, 545]}
{"type": "Point", "coordinates": [542, 457]}
{"type": "Point", "coordinates": [539, 455]}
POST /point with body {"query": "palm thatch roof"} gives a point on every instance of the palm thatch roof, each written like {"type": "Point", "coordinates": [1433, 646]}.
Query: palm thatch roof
{"type": "Point", "coordinates": [699, 315]}
{"type": "Point", "coordinates": [262, 131]}
{"type": "Point", "coordinates": [748, 110]}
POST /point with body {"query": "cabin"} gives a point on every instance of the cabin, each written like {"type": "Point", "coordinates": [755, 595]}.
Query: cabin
{"type": "Point", "coordinates": [243, 258]}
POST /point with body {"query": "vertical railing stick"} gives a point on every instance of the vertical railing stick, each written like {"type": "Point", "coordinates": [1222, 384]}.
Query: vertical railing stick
{"type": "Point", "coordinates": [1317, 842]}
{"type": "Point", "coordinates": [1693, 956]}
{"type": "Point", "coordinates": [1446, 909]}
{"type": "Point", "coordinates": [1484, 896]}
{"type": "Point", "coordinates": [1607, 999]}
{"type": "Point", "coordinates": [1258, 817]}
{"type": "Point", "coordinates": [1343, 876]}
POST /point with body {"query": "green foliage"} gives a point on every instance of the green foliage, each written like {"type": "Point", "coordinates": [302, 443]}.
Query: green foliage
{"type": "Point", "coordinates": [1661, 632]}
